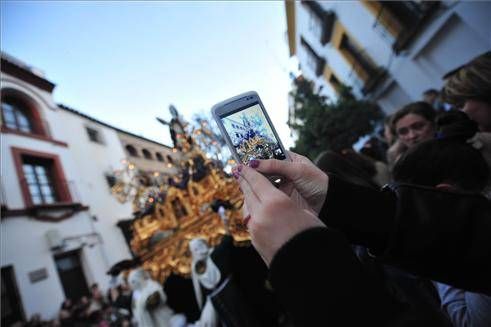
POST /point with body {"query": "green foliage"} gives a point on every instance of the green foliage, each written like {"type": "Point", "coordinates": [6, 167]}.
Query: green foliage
{"type": "Point", "coordinates": [322, 125]}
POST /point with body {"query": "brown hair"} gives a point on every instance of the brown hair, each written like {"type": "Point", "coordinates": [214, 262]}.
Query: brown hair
{"type": "Point", "coordinates": [471, 82]}
{"type": "Point", "coordinates": [419, 108]}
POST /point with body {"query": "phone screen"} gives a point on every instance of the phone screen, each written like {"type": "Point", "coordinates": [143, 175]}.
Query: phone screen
{"type": "Point", "coordinates": [251, 134]}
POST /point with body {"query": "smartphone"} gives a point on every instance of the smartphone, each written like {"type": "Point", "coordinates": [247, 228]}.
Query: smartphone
{"type": "Point", "coordinates": [248, 131]}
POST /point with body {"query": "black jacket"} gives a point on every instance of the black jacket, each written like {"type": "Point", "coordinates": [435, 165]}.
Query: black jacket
{"type": "Point", "coordinates": [439, 235]}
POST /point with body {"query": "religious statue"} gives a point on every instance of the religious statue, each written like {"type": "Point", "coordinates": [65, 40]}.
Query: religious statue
{"type": "Point", "coordinates": [181, 140]}
{"type": "Point", "coordinates": [149, 302]}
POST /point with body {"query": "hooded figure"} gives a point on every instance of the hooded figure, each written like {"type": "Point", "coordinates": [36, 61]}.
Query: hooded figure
{"type": "Point", "coordinates": [204, 274]}
{"type": "Point", "coordinates": [149, 301]}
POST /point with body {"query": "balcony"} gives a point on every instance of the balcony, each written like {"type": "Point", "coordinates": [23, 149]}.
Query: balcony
{"type": "Point", "coordinates": [322, 21]}
{"type": "Point", "coordinates": [368, 74]}
{"type": "Point", "coordinates": [399, 22]}
{"type": "Point", "coordinates": [61, 208]}
{"type": "Point", "coordinates": [315, 62]}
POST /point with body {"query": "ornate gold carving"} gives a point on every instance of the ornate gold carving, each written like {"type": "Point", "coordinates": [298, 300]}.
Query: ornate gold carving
{"type": "Point", "coordinates": [170, 214]}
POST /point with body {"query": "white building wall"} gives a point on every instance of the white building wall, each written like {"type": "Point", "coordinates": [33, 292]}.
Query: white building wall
{"type": "Point", "coordinates": [24, 246]}
{"type": "Point", "coordinates": [23, 241]}
{"type": "Point", "coordinates": [93, 161]}
{"type": "Point", "coordinates": [302, 18]}
{"type": "Point", "coordinates": [457, 32]}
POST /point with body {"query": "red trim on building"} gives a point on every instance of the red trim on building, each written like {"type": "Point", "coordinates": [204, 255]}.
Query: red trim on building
{"type": "Point", "coordinates": [60, 185]}
{"type": "Point", "coordinates": [6, 130]}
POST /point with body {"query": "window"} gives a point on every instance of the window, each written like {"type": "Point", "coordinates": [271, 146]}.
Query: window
{"type": "Point", "coordinates": [16, 115]}
{"type": "Point", "coordinates": [159, 156]}
{"type": "Point", "coordinates": [147, 154]}
{"type": "Point", "coordinates": [169, 159]}
{"type": "Point", "coordinates": [132, 150]}
{"type": "Point", "coordinates": [94, 135]}
{"type": "Point", "coordinates": [41, 178]}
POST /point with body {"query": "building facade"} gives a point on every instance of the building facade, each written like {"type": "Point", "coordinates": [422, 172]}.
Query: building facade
{"type": "Point", "coordinates": [388, 51]}
{"type": "Point", "coordinates": [59, 227]}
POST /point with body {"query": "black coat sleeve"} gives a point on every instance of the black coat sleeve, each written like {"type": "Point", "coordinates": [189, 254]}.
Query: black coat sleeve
{"type": "Point", "coordinates": [440, 235]}
{"type": "Point", "coordinates": [319, 280]}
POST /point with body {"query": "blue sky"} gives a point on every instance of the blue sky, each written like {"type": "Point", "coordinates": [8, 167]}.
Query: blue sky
{"type": "Point", "coordinates": [125, 62]}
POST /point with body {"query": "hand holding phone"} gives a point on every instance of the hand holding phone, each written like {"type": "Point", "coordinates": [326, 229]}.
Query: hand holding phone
{"type": "Point", "coordinates": [248, 131]}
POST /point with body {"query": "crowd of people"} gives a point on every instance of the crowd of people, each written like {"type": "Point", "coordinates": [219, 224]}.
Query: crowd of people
{"type": "Point", "coordinates": [97, 309]}
{"type": "Point", "coordinates": [416, 252]}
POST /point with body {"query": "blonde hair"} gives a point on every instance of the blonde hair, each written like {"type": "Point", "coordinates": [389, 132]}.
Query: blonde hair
{"type": "Point", "coordinates": [471, 82]}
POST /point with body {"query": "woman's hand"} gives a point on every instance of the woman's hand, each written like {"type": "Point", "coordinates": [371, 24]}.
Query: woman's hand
{"type": "Point", "coordinates": [274, 217]}
{"type": "Point", "coordinates": [301, 176]}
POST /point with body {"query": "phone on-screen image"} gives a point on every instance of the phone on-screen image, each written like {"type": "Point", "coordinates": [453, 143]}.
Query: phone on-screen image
{"type": "Point", "coordinates": [248, 131]}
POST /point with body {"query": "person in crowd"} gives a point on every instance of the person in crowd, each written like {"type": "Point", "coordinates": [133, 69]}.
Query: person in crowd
{"type": "Point", "coordinates": [430, 96]}
{"type": "Point", "coordinates": [81, 313]}
{"type": "Point", "coordinates": [470, 89]}
{"type": "Point", "coordinates": [414, 123]}
{"type": "Point", "coordinates": [451, 163]}
{"type": "Point", "coordinates": [375, 148]}
{"type": "Point", "coordinates": [350, 170]}
{"type": "Point", "coordinates": [97, 302]}
{"type": "Point", "coordinates": [355, 167]}
{"type": "Point", "coordinates": [433, 98]}
{"type": "Point", "coordinates": [35, 321]}
{"type": "Point", "coordinates": [407, 233]}
{"type": "Point", "coordinates": [120, 298]}
{"type": "Point", "coordinates": [66, 312]}
{"type": "Point", "coordinates": [395, 146]}
{"type": "Point", "coordinates": [377, 170]}
{"type": "Point", "coordinates": [415, 294]}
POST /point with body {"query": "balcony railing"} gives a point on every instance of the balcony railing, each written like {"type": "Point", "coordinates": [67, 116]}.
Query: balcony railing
{"type": "Point", "coordinates": [318, 60]}
{"type": "Point", "coordinates": [386, 26]}
{"type": "Point", "coordinates": [63, 191]}
{"type": "Point", "coordinates": [399, 22]}
{"type": "Point", "coordinates": [374, 79]}
{"type": "Point", "coordinates": [62, 208]}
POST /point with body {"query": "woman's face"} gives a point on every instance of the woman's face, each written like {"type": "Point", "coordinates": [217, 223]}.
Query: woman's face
{"type": "Point", "coordinates": [413, 129]}
{"type": "Point", "coordinates": [480, 112]}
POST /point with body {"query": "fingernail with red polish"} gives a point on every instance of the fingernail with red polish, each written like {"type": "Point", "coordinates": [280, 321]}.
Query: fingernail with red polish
{"type": "Point", "coordinates": [254, 163]}
{"type": "Point", "coordinates": [236, 174]}
{"type": "Point", "coordinates": [246, 220]}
